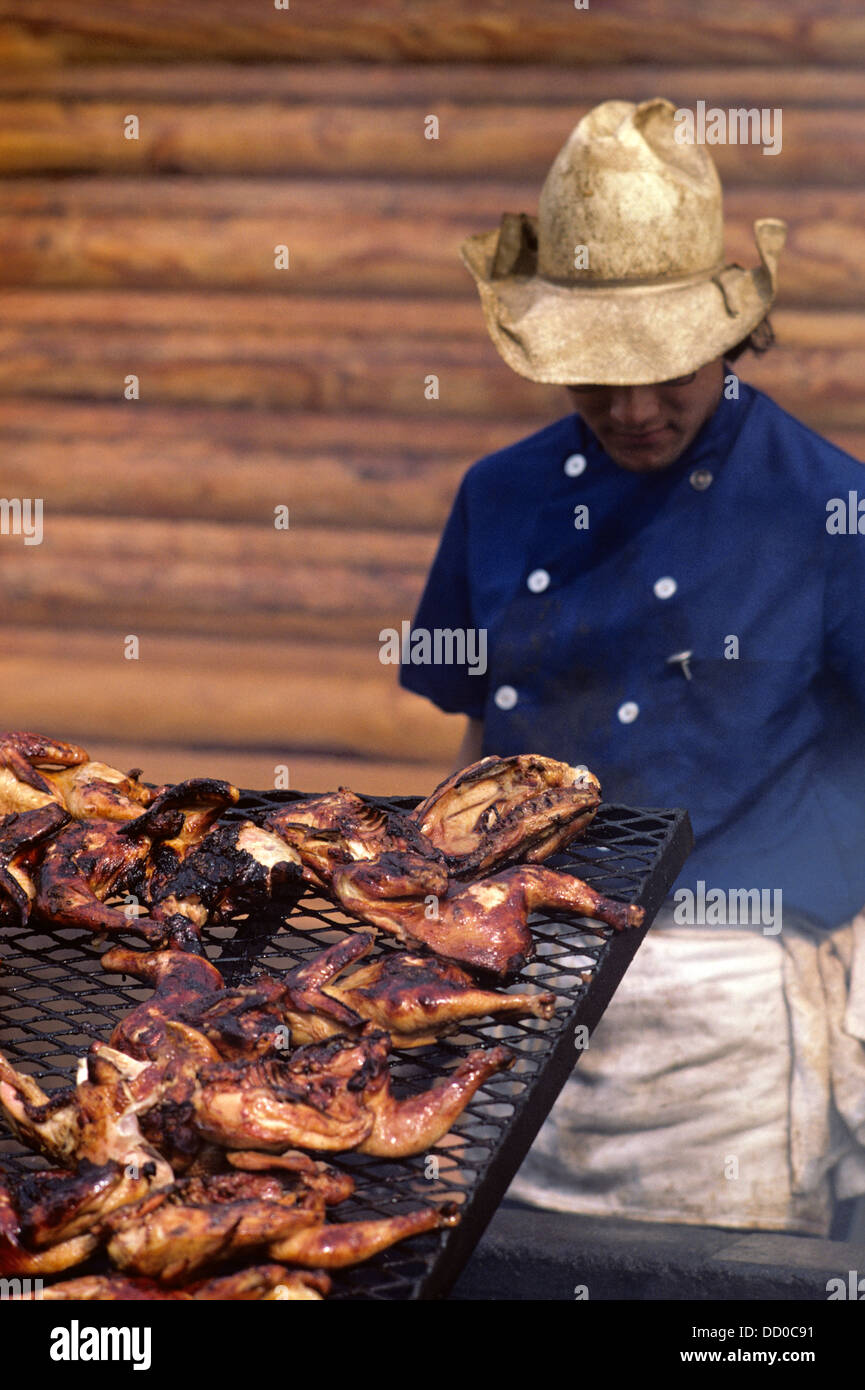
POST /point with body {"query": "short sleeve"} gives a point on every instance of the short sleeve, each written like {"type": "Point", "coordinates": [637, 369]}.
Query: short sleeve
{"type": "Point", "coordinates": [443, 629]}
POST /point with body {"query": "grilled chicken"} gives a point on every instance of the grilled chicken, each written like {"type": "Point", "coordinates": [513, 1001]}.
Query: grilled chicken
{"type": "Point", "coordinates": [380, 868]}
{"type": "Point", "coordinates": [483, 925]}
{"type": "Point", "coordinates": [249, 1021]}
{"type": "Point", "coordinates": [36, 771]}
{"type": "Point", "coordinates": [96, 1120]}
{"type": "Point", "coordinates": [329, 1097]}
{"type": "Point", "coordinates": [505, 810]}
{"type": "Point", "coordinates": [86, 862]}
{"type": "Point", "coordinates": [194, 1080]}
{"type": "Point", "coordinates": [332, 1097]}
{"type": "Point", "coordinates": [199, 1222]}
{"type": "Point", "coordinates": [22, 786]}
{"type": "Point", "coordinates": [400, 873]}
{"type": "Point", "coordinates": [48, 1219]}
{"type": "Point", "coordinates": [91, 860]}
{"type": "Point", "coordinates": [179, 1231]}
{"type": "Point", "coordinates": [22, 838]}
{"type": "Point", "coordinates": [419, 999]}
{"type": "Point", "coordinates": [415, 998]}
{"type": "Point", "coordinates": [265, 1282]}
{"type": "Point", "coordinates": [236, 867]}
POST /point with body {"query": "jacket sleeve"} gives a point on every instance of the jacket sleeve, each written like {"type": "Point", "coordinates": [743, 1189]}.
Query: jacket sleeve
{"type": "Point", "coordinates": [445, 614]}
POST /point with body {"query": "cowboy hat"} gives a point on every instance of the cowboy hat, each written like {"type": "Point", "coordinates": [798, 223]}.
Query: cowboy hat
{"type": "Point", "coordinates": [621, 280]}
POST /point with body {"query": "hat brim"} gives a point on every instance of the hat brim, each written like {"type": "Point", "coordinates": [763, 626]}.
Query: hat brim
{"type": "Point", "coordinates": [623, 335]}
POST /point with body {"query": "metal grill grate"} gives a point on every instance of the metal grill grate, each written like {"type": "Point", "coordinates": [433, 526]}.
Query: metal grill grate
{"type": "Point", "coordinates": [55, 1000]}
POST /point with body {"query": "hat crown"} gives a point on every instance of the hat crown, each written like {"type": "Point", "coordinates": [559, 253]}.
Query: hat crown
{"type": "Point", "coordinates": [642, 205]}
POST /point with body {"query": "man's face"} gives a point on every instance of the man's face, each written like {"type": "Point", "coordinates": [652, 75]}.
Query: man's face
{"type": "Point", "coordinates": [646, 428]}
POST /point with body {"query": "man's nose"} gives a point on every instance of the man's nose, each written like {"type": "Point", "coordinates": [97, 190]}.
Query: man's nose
{"type": "Point", "coordinates": [633, 408]}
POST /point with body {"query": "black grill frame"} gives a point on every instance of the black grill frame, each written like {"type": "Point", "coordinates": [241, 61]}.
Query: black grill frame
{"type": "Point", "coordinates": [55, 1000]}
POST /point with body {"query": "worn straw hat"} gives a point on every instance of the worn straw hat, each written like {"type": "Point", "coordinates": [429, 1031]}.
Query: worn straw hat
{"type": "Point", "coordinates": [621, 280]}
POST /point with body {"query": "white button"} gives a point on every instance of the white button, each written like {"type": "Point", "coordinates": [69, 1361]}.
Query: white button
{"type": "Point", "coordinates": [666, 587]}
{"type": "Point", "coordinates": [575, 464]}
{"type": "Point", "coordinates": [700, 479]}
{"type": "Point", "coordinates": [538, 580]}
{"type": "Point", "coordinates": [628, 712]}
{"type": "Point", "coordinates": [505, 697]}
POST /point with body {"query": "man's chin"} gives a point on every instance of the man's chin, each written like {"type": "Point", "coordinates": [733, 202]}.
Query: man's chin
{"type": "Point", "coordinates": [644, 458]}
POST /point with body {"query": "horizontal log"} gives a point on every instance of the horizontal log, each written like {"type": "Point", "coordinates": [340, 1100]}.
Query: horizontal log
{"type": "Point", "coordinates": [179, 232]}
{"type": "Point", "coordinates": [37, 33]}
{"type": "Point", "coordinates": [134, 575]}
{"type": "Point", "coordinates": [259, 770]}
{"type": "Point", "coordinates": [819, 145]}
{"type": "Point", "coordinates": [269, 430]}
{"type": "Point", "coordinates": [451, 201]}
{"type": "Point", "coordinates": [818, 371]}
{"type": "Point", "coordinates": [285, 698]}
{"type": "Point", "coordinates": [212, 480]}
{"type": "Point", "coordinates": [473, 83]}
{"type": "Point", "coordinates": [262, 325]}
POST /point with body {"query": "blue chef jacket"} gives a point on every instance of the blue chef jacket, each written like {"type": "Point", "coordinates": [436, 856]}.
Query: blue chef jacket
{"type": "Point", "coordinates": [765, 744]}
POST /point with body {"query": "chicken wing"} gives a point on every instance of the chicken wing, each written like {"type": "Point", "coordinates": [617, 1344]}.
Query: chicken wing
{"type": "Point", "coordinates": [93, 789]}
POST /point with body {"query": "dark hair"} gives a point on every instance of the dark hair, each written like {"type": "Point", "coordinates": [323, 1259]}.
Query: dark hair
{"type": "Point", "coordinates": [759, 340]}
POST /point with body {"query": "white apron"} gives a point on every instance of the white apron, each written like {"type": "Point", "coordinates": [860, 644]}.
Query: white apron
{"type": "Point", "coordinates": [724, 1084]}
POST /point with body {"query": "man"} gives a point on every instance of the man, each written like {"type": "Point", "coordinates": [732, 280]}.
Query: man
{"type": "Point", "coordinates": [669, 601]}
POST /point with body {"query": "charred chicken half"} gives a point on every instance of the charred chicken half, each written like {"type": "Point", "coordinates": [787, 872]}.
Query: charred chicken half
{"type": "Point", "coordinates": [203, 1221]}
{"type": "Point", "coordinates": [416, 999]}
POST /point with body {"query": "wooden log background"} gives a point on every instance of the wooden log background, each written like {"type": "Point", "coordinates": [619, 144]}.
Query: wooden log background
{"type": "Point", "coordinates": [304, 388]}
